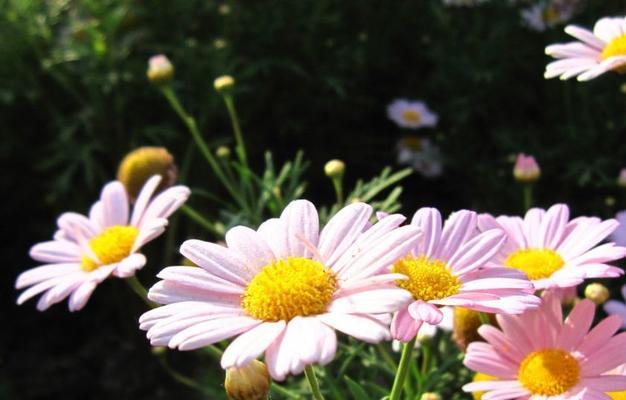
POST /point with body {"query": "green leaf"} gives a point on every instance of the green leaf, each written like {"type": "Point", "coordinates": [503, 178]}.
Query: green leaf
{"type": "Point", "coordinates": [358, 393]}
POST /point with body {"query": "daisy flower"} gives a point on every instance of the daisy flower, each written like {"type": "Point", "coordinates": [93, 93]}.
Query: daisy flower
{"type": "Point", "coordinates": [87, 250]}
{"type": "Point", "coordinates": [444, 269]}
{"type": "Point", "coordinates": [284, 289]}
{"type": "Point", "coordinates": [554, 251]}
{"type": "Point", "coordinates": [597, 52]}
{"type": "Point", "coordinates": [411, 114]}
{"type": "Point", "coordinates": [428, 331]}
{"type": "Point", "coordinates": [615, 307]}
{"type": "Point", "coordinates": [538, 356]}
{"type": "Point", "coordinates": [421, 155]}
{"type": "Point", "coordinates": [542, 16]}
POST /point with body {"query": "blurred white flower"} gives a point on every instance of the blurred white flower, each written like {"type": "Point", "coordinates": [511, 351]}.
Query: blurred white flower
{"type": "Point", "coordinates": [411, 114]}
{"type": "Point", "coordinates": [421, 155]}
{"type": "Point", "coordinates": [548, 14]}
{"type": "Point", "coordinates": [616, 307]}
{"type": "Point", "coordinates": [619, 235]}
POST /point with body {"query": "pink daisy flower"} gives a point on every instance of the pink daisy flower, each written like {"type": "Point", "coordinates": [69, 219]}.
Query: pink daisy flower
{"type": "Point", "coordinates": [538, 356]}
{"type": "Point", "coordinates": [444, 269]}
{"type": "Point", "coordinates": [616, 307]}
{"type": "Point", "coordinates": [597, 52]}
{"type": "Point", "coordinates": [284, 289]}
{"type": "Point", "coordinates": [553, 250]}
{"type": "Point", "coordinates": [411, 114]}
{"type": "Point", "coordinates": [87, 250]}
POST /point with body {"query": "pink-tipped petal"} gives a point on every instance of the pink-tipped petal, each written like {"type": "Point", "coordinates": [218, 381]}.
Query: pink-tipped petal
{"type": "Point", "coordinates": [114, 204]}
{"type": "Point", "coordinates": [251, 344]}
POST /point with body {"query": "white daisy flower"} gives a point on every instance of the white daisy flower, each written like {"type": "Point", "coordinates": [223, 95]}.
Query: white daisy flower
{"type": "Point", "coordinates": [595, 53]}
{"type": "Point", "coordinates": [411, 114]}
{"type": "Point", "coordinates": [421, 155]}
{"type": "Point", "coordinates": [87, 250]}
{"type": "Point", "coordinates": [542, 16]}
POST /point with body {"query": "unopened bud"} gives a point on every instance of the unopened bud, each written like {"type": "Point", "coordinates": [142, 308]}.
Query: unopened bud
{"type": "Point", "coordinates": [222, 152]}
{"type": "Point", "coordinates": [465, 326]}
{"type": "Point", "coordinates": [250, 382]}
{"type": "Point", "coordinates": [480, 377]}
{"type": "Point", "coordinates": [621, 179]}
{"type": "Point", "coordinates": [223, 83]}
{"type": "Point", "coordinates": [430, 396]}
{"type": "Point", "coordinates": [160, 69]}
{"type": "Point", "coordinates": [141, 164]}
{"type": "Point", "coordinates": [334, 169]}
{"type": "Point", "coordinates": [609, 201]}
{"type": "Point", "coordinates": [597, 292]}
{"type": "Point", "coordinates": [526, 169]}
{"type": "Point", "coordinates": [219, 43]}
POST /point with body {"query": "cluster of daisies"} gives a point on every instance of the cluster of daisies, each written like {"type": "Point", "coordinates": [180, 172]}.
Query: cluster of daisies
{"type": "Point", "coordinates": [285, 289]}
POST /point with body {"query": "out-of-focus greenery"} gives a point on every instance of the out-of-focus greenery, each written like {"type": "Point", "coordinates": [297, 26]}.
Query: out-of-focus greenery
{"type": "Point", "coordinates": [311, 75]}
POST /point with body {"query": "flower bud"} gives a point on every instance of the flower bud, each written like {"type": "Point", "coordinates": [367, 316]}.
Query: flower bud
{"type": "Point", "coordinates": [621, 179]}
{"type": "Point", "coordinates": [158, 350]}
{"type": "Point", "coordinates": [219, 43]}
{"type": "Point", "coordinates": [430, 396]}
{"type": "Point", "coordinates": [160, 70]}
{"type": "Point", "coordinates": [223, 83]}
{"type": "Point", "coordinates": [465, 326]}
{"type": "Point", "coordinates": [222, 152]}
{"type": "Point", "coordinates": [142, 163]}
{"type": "Point", "coordinates": [334, 169]}
{"type": "Point", "coordinates": [597, 292]}
{"type": "Point", "coordinates": [250, 382]}
{"type": "Point", "coordinates": [526, 169]}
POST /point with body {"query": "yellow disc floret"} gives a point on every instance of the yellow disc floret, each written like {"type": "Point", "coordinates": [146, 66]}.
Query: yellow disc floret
{"type": "Point", "coordinates": [288, 288]}
{"type": "Point", "coordinates": [617, 395]}
{"type": "Point", "coordinates": [411, 116]}
{"type": "Point", "coordinates": [429, 279]}
{"type": "Point", "coordinates": [549, 372]}
{"type": "Point", "coordinates": [112, 245]}
{"type": "Point", "coordinates": [616, 47]}
{"type": "Point", "coordinates": [536, 263]}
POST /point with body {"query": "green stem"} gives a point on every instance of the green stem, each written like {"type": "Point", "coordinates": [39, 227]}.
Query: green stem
{"type": "Point", "coordinates": [528, 196]}
{"type": "Point", "coordinates": [315, 386]}
{"type": "Point", "coordinates": [338, 185]}
{"type": "Point", "coordinates": [139, 290]}
{"type": "Point", "coordinates": [232, 113]}
{"type": "Point", "coordinates": [403, 369]}
{"type": "Point", "coordinates": [200, 220]}
{"type": "Point", "coordinates": [191, 125]}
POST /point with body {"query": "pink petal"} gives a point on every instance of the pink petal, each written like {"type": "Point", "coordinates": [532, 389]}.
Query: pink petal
{"type": "Point", "coordinates": [606, 383]}
{"type": "Point", "coordinates": [199, 278]}
{"type": "Point", "coordinates": [476, 252]}
{"type": "Point", "coordinates": [144, 198]}
{"type": "Point", "coordinates": [481, 357]}
{"type": "Point", "coordinates": [164, 205]}
{"type": "Point", "coordinates": [585, 36]}
{"type": "Point", "coordinates": [459, 227]}
{"type": "Point", "coordinates": [342, 230]}
{"type": "Point", "coordinates": [378, 301]}
{"type": "Point", "coordinates": [219, 261]}
{"type": "Point", "coordinates": [429, 221]}
{"type": "Point", "coordinates": [302, 227]}
{"type": "Point", "coordinates": [251, 344]}
{"type": "Point", "coordinates": [429, 313]}
{"type": "Point", "coordinates": [576, 325]}
{"type": "Point", "coordinates": [44, 272]}
{"type": "Point", "coordinates": [251, 247]}
{"type": "Point", "coordinates": [81, 295]}
{"type": "Point", "coordinates": [361, 327]}
{"type": "Point", "coordinates": [57, 251]}
{"type": "Point", "coordinates": [206, 333]}
{"type": "Point", "coordinates": [609, 356]}
{"type": "Point", "coordinates": [274, 232]}
{"type": "Point", "coordinates": [131, 264]}
{"type": "Point", "coordinates": [114, 204]}
{"type": "Point", "coordinates": [553, 225]}
{"type": "Point", "coordinates": [403, 326]}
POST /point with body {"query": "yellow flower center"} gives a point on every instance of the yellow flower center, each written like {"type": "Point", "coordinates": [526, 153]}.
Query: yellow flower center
{"type": "Point", "coordinates": [616, 47]}
{"type": "Point", "coordinates": [617, 395]}
{"type": "Point", "coordinates": [111, 246]}
{"type": "Point", "coordinates": [549, 372]}
{"type": "Point", "coordinates": [536, 263]}
{"type": "Point", "coordinates": [551, 14]}
{"type": "Point", "coordinates": [480, 377]}
{"type": "Point", "coordinates": [411, 116]}
{"type": "Point", "coordinates": [288, 288]}
{"type": "Point", "coordinates": [429, 279]}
